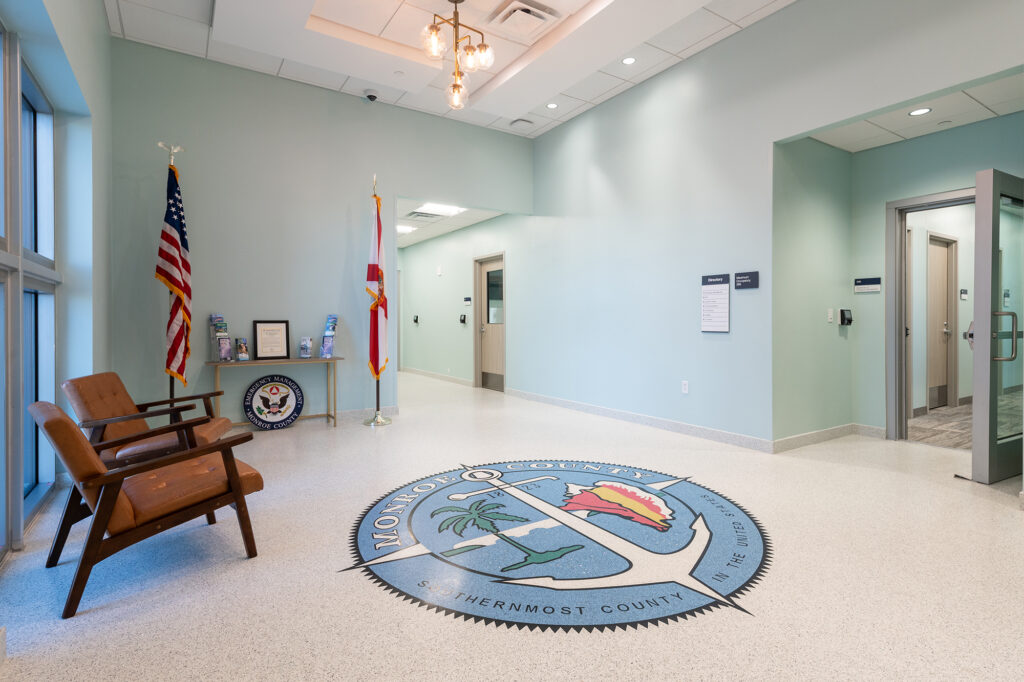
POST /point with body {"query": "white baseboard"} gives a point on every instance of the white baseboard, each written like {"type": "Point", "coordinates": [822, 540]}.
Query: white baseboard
{"type": "Point", "coordinates": [657, 422]}
{"type": "Point", "coordinates": [442, 377]}
{"type": "Point", "coordinates": [812, 437]}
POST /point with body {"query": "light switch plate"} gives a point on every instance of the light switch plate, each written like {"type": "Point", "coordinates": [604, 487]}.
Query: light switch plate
{"type": "Point", "coordinates": [831, 315]}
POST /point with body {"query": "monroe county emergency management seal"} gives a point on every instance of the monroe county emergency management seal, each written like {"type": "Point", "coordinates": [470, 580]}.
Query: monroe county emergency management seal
{"type": "Point", "coordinates": [561, 545]}
{"type": "Point", "coordinates": [272, 402]}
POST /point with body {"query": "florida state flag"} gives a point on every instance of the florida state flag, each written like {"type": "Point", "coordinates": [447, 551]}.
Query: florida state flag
{"type": "Point", "coordinates": [379, 306]}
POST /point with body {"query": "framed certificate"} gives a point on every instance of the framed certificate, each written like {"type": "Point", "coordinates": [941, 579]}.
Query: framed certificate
{"type": "Point", "coordinates": [270, 339]}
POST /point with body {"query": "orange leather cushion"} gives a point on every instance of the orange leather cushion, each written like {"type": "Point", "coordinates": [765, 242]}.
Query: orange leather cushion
{"type": "Point", "coordinates": [170, 489]}
{"type": "Point", "coordinates": [80, 460]}
{"type": "Point", "coordinates": [100, 396]}
{"type": "Point", "coordinates": [168, 442]}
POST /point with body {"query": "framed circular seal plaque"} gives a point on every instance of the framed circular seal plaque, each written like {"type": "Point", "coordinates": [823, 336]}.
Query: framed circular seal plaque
{"type": "Point", "coordinates": [273, 402]}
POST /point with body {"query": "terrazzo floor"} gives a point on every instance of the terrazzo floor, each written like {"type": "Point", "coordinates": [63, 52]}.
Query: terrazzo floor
{"type": "Point", "coordinates": [885, 566]}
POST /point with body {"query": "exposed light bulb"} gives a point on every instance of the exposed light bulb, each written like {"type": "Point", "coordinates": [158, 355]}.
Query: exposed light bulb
{"type": "Point", "coordinates": [434, 43]}
{"type": "Point", "coordinates": [457, 96]}
{"type": "Point", "coordinates": [484, 56]}
{"type": "Point", "coordinates": [469, 58]}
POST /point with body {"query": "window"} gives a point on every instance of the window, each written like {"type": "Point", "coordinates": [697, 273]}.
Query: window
{"type": "Point", "coordinates": [36, 170]}
{"type": "Point", "coordinates": [38, 382]}
{"type": "Point", "coordinates": [28, 284]}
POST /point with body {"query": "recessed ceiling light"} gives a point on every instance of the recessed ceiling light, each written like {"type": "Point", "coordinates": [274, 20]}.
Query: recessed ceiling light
{"type": "Point", "coordinates": [629, 60]}
{"type": "Point", "coordinates": [440, 209]}
{"type": "Point", "coordinates": [920, 112]}
{"type": "Point", "coordinates": [405, 229]}
{"type": "Point", "coordinates": [552, 105]}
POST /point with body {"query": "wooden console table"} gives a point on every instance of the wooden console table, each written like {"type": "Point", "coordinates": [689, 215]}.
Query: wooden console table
{"type": "Point", "coordinates": [332, 387]}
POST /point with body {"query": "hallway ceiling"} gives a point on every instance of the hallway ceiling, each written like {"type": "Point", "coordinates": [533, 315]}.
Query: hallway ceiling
{"type": "Point", "coordinates": [988, 100]}
{"type": "Point", "coordinates": [572, 60]}
{"type": "Point", "coordinates": [428, 226]}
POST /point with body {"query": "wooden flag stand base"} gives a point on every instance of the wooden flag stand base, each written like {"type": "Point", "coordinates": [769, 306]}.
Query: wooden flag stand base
{"type": "Point", "coordinates": [378, 419]}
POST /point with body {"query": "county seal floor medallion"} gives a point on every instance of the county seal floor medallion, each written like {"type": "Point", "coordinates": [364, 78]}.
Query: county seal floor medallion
{"type": "Point", "coordinates": [561, 545]}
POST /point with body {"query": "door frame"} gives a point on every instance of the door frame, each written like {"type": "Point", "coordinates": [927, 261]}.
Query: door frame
{"type": "Point", "coordinates": [952, 353]}
{"type": "Point", "coordinates": [896, 312]}
{"type": "Point", "coordinates": [480, 313]}
{"type": "Point", "coordinates": [991, 460]}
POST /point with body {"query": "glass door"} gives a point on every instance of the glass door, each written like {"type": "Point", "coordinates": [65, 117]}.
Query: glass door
{"type": "Point", "coordinates": [998, 419]}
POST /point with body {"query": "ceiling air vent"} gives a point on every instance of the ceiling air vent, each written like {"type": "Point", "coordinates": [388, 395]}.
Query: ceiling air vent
{"type": "Point", "coordinates": [521, 124]}
{"type": "Point", "coordinates": [521, 20]}
{"type": "Point", "coordinates": [420, 215]}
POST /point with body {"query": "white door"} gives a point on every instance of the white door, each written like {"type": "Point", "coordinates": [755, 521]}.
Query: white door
{"type": "Point", "coordinates": [491, 313]}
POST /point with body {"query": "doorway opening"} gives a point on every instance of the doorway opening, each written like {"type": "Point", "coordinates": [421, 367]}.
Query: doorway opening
{"type": "Point", "coordinates": [939, 283]}
{"type": "Point", "coordinates": [489, 349]}
{"type": "Point", "coordinates": [930, 258]}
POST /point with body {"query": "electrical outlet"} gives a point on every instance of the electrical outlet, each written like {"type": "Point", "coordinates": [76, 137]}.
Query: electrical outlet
{"type": "Point", "coordinates": [831, 315]}
{"type": "Point", "coordinates": [686, 386]}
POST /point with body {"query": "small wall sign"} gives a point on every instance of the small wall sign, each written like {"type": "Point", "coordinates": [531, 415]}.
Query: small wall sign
{"type": "Point", "coordinates": [748, 280]}
{"type": "Point", "coordinates": [714, 303]}
{"type": "Point", "coordinates": [863, 285]}
{"type": "Point", "coordinates": [272, 402]}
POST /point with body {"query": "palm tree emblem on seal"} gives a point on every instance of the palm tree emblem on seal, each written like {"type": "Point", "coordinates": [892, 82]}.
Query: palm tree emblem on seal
{"type": "Point", "coordinates": [484, 516]}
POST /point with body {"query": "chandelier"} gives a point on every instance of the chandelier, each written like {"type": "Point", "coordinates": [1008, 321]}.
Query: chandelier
{"type": "Point", "coordinates": [469, 57]}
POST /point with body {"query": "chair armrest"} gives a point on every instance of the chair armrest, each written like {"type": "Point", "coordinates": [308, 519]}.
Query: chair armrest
{"type": "Point", "coordinates": [159, 431]}
{"type": "Point", "coordinates": [185, 398]}
{"type": "Point", "coordinates": [124, 472]}
{"type": "Point", "coordinates": [92, 423]}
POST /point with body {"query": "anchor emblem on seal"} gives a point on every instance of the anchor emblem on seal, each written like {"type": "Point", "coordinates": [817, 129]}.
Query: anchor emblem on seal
{"type": "Point", "coordinates": [644, 567]}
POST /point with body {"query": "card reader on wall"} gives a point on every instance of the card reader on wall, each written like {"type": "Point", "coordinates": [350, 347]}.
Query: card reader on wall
{"type": "Point", "coordinates": [845, 317]}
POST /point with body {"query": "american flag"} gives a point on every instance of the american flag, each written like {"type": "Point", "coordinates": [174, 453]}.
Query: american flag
{"type": "Point", "coordinates": [175, 271]}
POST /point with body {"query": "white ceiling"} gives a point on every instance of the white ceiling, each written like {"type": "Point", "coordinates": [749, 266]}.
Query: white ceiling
{"type": "Point", "coordinates": [988, 100]}
{"type": "Point", "coordinates": [573, 60]}
{"type": "Point", "coordinates": [428, 228]}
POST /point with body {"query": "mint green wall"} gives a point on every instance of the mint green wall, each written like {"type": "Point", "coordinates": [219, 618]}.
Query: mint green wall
{"type": "Point", "coordinates": [926, 165]}
{"type": "Point", "coordinates": [276, 179]}
{"type": "Point", "coordinates": [950, 221]}
{"type": "Point", "coordinates": [640, 196]}
{"type": "Point", "coordinates": [810, 249]}
{"type": "Point", "coordinates": [439, 343]}
{"type": "Point", "coordinates": [673, 179]}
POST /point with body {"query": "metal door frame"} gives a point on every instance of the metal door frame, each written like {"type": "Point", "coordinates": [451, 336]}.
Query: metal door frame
{"type": "Point", "coordinates": [991, 461]}
{"type": "Point", "coordinates": [896, 313]}
{"type": "Point", "coordinates": [480, 313]}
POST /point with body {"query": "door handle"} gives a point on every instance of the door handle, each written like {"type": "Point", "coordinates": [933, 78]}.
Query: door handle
{"type": "Point", "coordinates": [1013, 336]}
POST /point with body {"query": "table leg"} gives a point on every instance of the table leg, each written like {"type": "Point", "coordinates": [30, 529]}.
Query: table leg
{"type": "Point", "coordinates": [216, 387]}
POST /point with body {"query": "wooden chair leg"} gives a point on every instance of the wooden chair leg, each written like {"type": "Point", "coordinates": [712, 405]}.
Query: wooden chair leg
{"type": "Point", "coordinates": [246, 527]}
{"type": "Point", "coordinates": [211, 518]}
{"type": "Point", "coordinates": [91, 551]}
{"type": "Point", "coordinates": [72, 514]}
{"type": "Point", "coordinates": [235, 485]}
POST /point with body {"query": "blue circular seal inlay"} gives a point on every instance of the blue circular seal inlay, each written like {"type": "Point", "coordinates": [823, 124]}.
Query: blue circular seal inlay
{"type": "Point", "coordinates": [272, 402]}
{"type": "Point", "coordinates": [560, 544]}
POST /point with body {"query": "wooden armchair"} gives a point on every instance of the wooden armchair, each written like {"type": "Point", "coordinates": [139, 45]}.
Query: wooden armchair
{"type": "Point", "coordinates": [127, 507]}
{"type": "Point", "coordinates": [106, 410]}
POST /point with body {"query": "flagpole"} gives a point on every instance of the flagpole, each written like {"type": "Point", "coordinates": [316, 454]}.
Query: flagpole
{"type": "Point", "coordinates": [171, 149]}
{"type": "Point", "coordinates": [378, 419]}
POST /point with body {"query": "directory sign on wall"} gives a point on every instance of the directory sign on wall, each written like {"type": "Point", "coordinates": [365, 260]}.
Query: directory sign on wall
{"type": "Point", "coordinates": [714, 303]}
